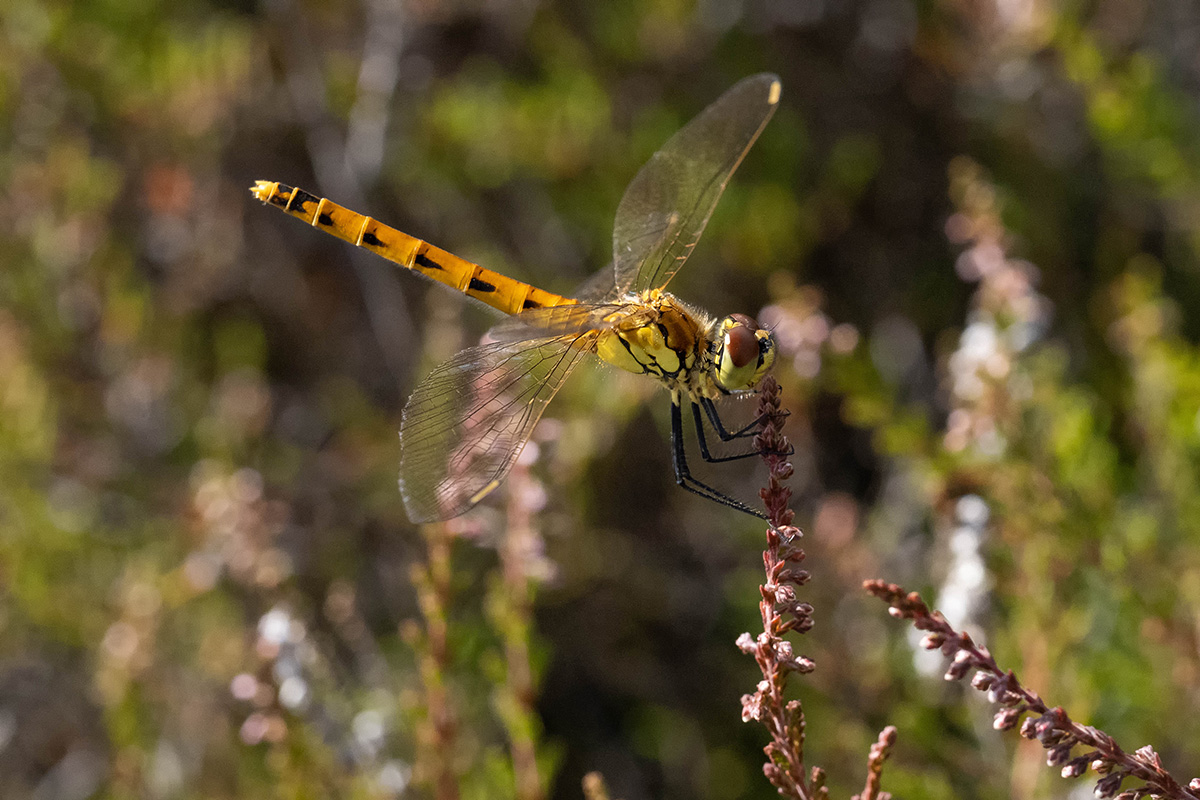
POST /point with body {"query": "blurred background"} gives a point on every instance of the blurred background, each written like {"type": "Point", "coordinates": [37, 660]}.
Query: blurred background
{"type": "Point", "coordinates": [972, 226]}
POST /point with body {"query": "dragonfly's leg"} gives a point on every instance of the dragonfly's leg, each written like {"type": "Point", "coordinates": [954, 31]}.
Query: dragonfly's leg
{"type": "Point", "coordinates": [704, 452]}
{"type": "Point", "coordinates": [710, 408]}
{"type": "Point", "coordinates": [749, 430]}
{"type": "Point", "coordinates": [683, 475]}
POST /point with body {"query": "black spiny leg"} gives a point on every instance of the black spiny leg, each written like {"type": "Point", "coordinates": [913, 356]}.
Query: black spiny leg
{"type": "Point", "coordinates": [725, 436]}
{"type": "Point", "coordinates": [683, 475]}
{"type": "Point", "coordinates": [750, 429]}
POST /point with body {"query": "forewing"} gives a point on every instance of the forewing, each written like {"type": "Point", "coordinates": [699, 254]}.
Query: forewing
{"type": "Point", "coordinates": [669, 202]}
{"type": "Point", "coordinates": [465, 424]}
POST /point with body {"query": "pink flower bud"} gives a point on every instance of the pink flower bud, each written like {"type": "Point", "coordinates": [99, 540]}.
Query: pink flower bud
{"type": "Point", "coordinates": [1005, 719]}
{"type": "Point", "coordinates": [981, 681]}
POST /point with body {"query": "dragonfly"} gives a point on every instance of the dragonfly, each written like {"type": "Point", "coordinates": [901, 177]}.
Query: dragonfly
{"type": "Point", "coordinates": [465, 424]}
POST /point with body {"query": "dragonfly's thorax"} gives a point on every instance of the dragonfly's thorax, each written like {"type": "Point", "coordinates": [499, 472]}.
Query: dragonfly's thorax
{"type": "Point", "coordinates": [656, 334]}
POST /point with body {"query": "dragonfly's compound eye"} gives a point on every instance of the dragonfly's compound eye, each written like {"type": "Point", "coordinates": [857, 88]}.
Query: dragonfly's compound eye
{"type": "Point", "coordinates": [740, 345]}
{"type": "Point", "coordinates": [744, 354]}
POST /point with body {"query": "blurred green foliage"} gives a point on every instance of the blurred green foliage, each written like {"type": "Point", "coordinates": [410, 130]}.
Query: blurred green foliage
{"type": "Point", "coordinates": [973, 226]}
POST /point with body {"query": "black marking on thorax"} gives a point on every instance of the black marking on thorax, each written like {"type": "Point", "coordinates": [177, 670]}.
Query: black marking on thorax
{"type": "Point", "coordinates": [654, 368]}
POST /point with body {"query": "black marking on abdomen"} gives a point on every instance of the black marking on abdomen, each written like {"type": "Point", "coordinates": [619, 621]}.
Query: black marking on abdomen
{"type": "Point", "coordinates": [300, 198]}
{"type": "Point", "coordinates": [282, 195]}
{"type": "Point", "coordinates": [427, 262]}
{"type": "Point", "coordinates": [480, 286]}
{"type": "Point", "coordinates": [372, 240]}
{"type": "Point", "coordinates": [324, 219]}
{"type": "Point", "coordinates": [531, 303]}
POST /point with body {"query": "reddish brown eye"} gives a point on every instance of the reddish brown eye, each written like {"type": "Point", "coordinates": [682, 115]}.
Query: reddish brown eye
{"type": "Point", "coordinates": [741, 346]}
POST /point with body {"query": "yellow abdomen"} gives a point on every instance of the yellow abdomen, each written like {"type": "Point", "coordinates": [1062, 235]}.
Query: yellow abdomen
{"type": "Point", "coordinates": [498, 291]}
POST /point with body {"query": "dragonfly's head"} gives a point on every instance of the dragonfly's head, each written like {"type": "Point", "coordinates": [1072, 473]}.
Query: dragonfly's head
{"type": "Point", "coordinates": [744, 353]}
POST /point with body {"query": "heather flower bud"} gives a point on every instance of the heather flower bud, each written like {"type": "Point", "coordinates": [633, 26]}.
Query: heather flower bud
{"type": "Point", "coordinates": [1075, 768]}
{"type": "Point", "coordinates": [745, 643]}
{"type": "Point", "coordinates": [752, 705]}
{"type": "Point", "coordinates": [932, 641]}
{"type": "Point", "coordinates": [1109, 784]}
{"type": "Point", "coordinates": [1055, 737]}
{"type": "Point", "coordinates": [785, 594]}
{"type": "Point", "coordinates": [1005, 719]}
{"type": "Point", "coordinates": [1058, 755]}
{"type": "Point", "coordinates": [783, 649]}
{"type": "Point", "coordinates": [1029, 728]}
{"type": "Point", "coordinates": [805, 665]}
{"type": "Point", "coordinates": [1194, 785]}
{"type": "Point", "coordinates": [789, 532]}
{"type": "Point", "coordinates": [959, 667]}
{"type": "Point", "coordinates": [980, 681]}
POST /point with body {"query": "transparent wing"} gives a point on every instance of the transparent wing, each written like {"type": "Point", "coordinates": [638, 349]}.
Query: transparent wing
{"type": "Point", "coordinates": [601, 287]}
{"type": "Point", "coordinates": [667, 205]}
{"type": "Point", "coordinates": [466, 422]}
{"type": "Point", "coordinates": [576, 318]}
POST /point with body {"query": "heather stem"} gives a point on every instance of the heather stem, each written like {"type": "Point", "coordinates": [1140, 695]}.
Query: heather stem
{"type": "Point", "coordinates": [879, 754]}
{"type": "Point", "coordinates": [1052, 727]}
{"type": "Point", "coordinates": [781, 613]}
{"type": "Point", "coordinates": [510, 606]}
{"type": "Point", "coordinates": [437, 737]}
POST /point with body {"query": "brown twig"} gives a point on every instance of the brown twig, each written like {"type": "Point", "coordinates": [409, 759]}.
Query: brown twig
{"type": "Point", "coordinates": [1056, 731]}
